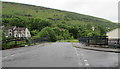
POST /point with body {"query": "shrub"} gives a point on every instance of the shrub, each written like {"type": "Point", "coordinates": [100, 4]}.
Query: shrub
{"type": "Point", "coordinates": [8, 45]}
{"type": "Point", "coordinates": [61, 33]}
{"type": "Point", "coordinates": [48, 33]}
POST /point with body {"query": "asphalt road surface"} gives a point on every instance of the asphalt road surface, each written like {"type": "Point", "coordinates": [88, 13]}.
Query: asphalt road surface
{"type": "Point", "coordinates": [59, 54]}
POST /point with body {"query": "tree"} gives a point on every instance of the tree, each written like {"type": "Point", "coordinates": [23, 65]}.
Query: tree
{"type": "Point", "coordinates": [17, 21]}
{"type": "Point", "coordinates": [65, 34]}
{"type": "Point", "coordinates": [34, 32]}
{"type": "Point", "coordinates": [48, 33]}
{"type": "Point", "coordinates": [62, 26]}
{"type": "Point", "coordinates": [74, 30]}
{"type": "Point", "coordinates": [93, 34]}
{"type": "Point", "coordinates": [61, 33]}
{"type": "Point", "coordinates": [38, 24]}
{"type": "Point", "coordinates": [102, 30]}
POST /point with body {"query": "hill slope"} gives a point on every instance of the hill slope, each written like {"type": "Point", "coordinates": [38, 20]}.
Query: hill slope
{"type": "Point", "coordinates": [16, 9]}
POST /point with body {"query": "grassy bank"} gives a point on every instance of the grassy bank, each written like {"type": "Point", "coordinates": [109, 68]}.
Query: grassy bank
{"type": "Point", "coordinates": [68, 40]}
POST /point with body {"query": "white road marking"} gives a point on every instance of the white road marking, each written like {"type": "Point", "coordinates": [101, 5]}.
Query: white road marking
{"type": "Point", "coordinates": [80, 64]}
{"type": "Point", "coordinates": [85, 60]}
{"type": "Point", "coordinates": [12, 55]}
{"type": "Point", "coordinates": [86, 64]}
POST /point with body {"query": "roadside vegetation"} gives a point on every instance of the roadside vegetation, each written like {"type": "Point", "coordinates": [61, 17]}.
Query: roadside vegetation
{"type": "Point", "coordinates": [73, 40]}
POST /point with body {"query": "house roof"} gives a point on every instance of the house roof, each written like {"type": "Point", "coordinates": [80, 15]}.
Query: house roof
{"type": "Point", "coordinates": [20, 29]}
{"type": "Point", "coordinates": [6, 28]}
{"type": "Point", "coordinates": [14, 28]}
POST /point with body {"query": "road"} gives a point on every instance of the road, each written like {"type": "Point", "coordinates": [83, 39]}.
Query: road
{"type": "Point", "coordinates": [58, 54]}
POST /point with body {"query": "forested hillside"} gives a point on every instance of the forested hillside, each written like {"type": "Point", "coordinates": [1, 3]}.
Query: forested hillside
{"type": "Point", "coordinates": [64, 24]}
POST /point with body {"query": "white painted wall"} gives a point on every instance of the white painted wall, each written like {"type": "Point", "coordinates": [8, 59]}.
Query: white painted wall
{"type": "Point", "coordinates": [114, 34]}
{"type": "Point", "coordinates": [27, 33]}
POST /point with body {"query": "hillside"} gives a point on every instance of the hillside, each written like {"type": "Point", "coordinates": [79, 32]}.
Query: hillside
{"type": "Point", "coordinates": [16, 9]}
{"type": "Point", "coordinates": [38, 17]}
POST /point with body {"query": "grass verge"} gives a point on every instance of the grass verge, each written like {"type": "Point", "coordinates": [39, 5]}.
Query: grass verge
{"type": "Point", "coordinates": [68, 40]}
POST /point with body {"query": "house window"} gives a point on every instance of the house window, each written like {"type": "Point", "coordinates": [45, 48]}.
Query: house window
{"type": "Point", "coordinates": [10, 34]}
{"type": "Point", "coordinates": [16, 35]}
{"type": "Point", "coordinates": [10, 30]}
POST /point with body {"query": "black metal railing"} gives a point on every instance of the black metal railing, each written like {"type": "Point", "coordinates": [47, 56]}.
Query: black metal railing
{"type": "Point", "coordinates": [114, 43]}
{"type": "Point", "coordinates": [94, 40]}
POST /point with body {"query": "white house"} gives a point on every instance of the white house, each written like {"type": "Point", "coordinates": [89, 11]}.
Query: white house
{"type": "Point", "coordinates": [17, 32]}
{"type": "Point", "coordinates": [114, 34]}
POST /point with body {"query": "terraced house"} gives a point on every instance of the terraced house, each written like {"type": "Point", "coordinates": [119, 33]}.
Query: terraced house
{"type": "Point", "coordinates": [16, 32]}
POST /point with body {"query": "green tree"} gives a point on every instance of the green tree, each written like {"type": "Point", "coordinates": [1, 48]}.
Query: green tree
{"type": "Point", "coordinates": [34, 32]}
{"type": "Point", "coordinates": [17, 21]}
{"type": "Point", "coordinates": [93, 34]}
{"type": "Point", "coordinates": [74, 31]}
{"type": "Point", "coordinates": [48, 33]}
{"type": "Point", "coordinates": [65, 34]}
{"type": "Point", "coordinates": [62, 26]}
{"type": "Point", "coordinates": [61, 33]}
{"type": "Point", "coordinates": [102, 30]}
{"type": "Point", "coordinates": [38, 24]}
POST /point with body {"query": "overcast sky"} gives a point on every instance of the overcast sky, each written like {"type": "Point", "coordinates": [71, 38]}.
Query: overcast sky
{"type": "Point", "coordinates": [107, 9]}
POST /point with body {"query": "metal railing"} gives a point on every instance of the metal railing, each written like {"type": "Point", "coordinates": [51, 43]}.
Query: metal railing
{"type": "Point", "coordinates": [114, 43]}
{"type": "Point", "coordinates": [94, 40]}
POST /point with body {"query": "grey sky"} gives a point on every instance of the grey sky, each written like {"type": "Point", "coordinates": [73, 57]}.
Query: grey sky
{"type": "Point", "coordinates": [107, 9]}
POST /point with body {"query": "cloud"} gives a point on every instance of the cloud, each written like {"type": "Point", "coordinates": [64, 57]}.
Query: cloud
{"type": "Point", "coordinates": [107, 9]}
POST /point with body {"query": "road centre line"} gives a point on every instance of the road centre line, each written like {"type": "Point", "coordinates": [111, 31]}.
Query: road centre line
{"type": "Point", "coordinates": [12, 55]}
{"type": "Point", "coordinates": [80, 64]}
{"type": "Point", "coordinates": [85, 60]}
{"type": "Point", "coordinates": [86, 64]}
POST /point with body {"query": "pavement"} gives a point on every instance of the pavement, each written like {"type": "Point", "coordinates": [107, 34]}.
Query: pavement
{"type": "Point", "coordinates": [58, 54]}
{"type": "Point", "coordinates": [83, 46]}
